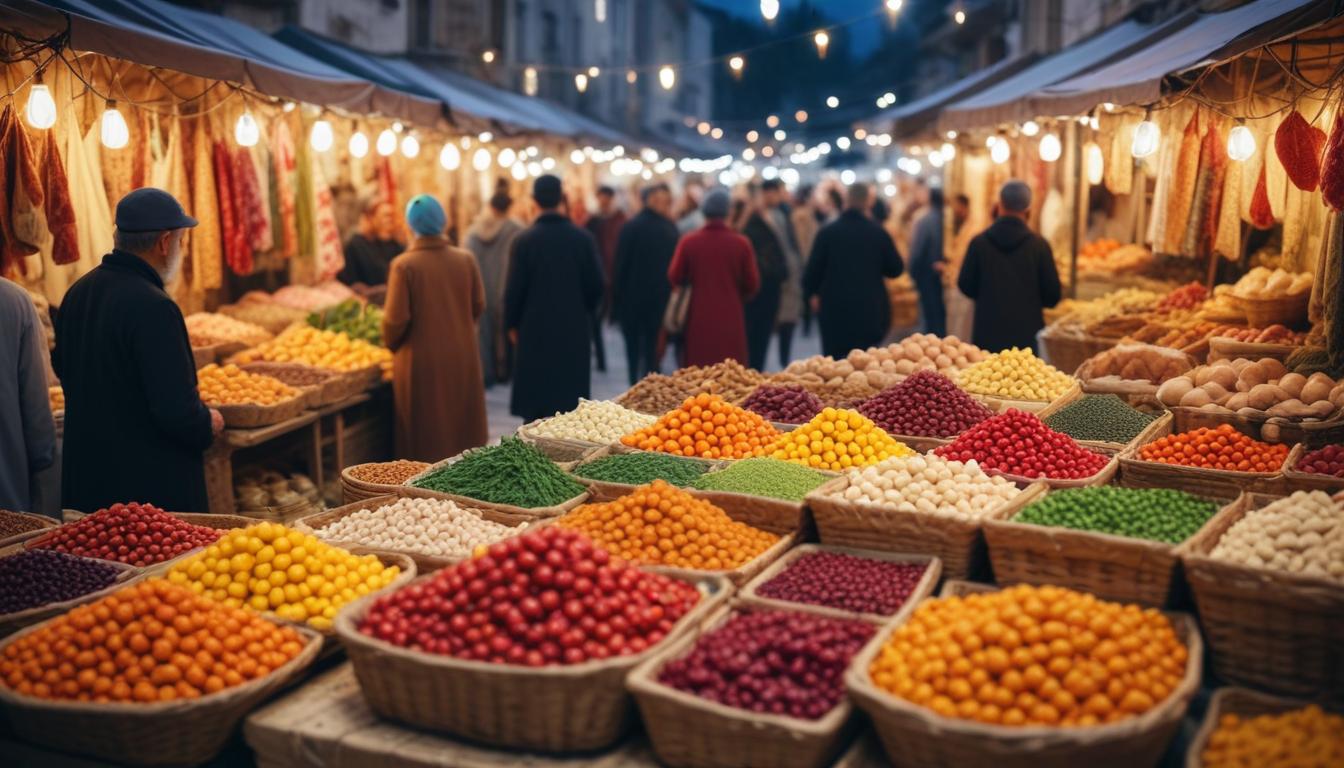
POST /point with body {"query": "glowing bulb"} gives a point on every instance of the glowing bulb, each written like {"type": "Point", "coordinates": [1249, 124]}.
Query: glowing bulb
{"type": "Point", "coordinates": [485, 137]}
{"type": "Point", "coordinates": [410, 146]}
{"type": "Point", "coordinates": [959, 17]}
{"type": "Point", "coordinates": [530, 81]}
{"type": "Point", "coordinates": [999, 152]}
{"type": "Point", "coordinates": [581, 82]}
{"type": "Point", "coordinates": [822, 40]}
{"type": "Point", "coordinates": [894, 6]}
{"type": "Point", "coordinates": [548, 163]}
{"type": "Point", "coordinates": [717, 133]}
{"type": "Point", "coordinates": [769, 9]}
{"type": "Point", "coordinates": [1146, 139]}
{"type": "Point", "coordinates": [576, 157]}
{"type": "Point", "coordinates": [667, 77]}
{"type": "Point", "coordinates": [780, 135]}
{"type": "Point", "coordinates": [387, 142]}
{"type": "Point", "coordinates": [41, 108]}
{"type": "Point", "coordinates": [842, 143]}
{"type": "Point", "coordinates": [488, 56]}
{"type": "Point", "coordinates": [848, 177]}
{"type": "Point", "coordinates": [534, 169]}
{"type": "Point", "coordinates": [736, 64]}
{"type": "Point", "coordinates": [800, 116]}
{"type": "Point", "coordinates": [480, 160]}
{"type": "Point", "coordinates": [113, 130]}
{"type": "Point", "coordinates": [947, 151]}
{"type": "Point", "coordinates": [1240, 143]}
{"type": "Point", "coordinates": [507, 157]}
{"type": "Point", "coordinates": [359, 144]}
{"type": "Point", "coordinates": [832, 102]}
{"type": "Point", "coordinates": [702, 128]}
{"type": "Point", "coordinates": [320, 137]}
{"type": "Point", "coordinates": [245, 131]}
{"type": "Point", "coordinates": [518, 171]}
{"type": "Point", "coordinates": [1050, 148]}
{"type": "Point", "coordinates": [772, 121]}
{"type": "Point", "coordinates": [600, 11]}
{"type": "Point", "coordinates": [936, 159]}
{"type": "Point", "coordinates": [748, 154]}
{"type": "Point", "coordinates": [1030, 128]}
{"type": "Point", "coordinates": [449, 157]}
{"type": "Point", "coordinates": [632, 77]}
{"type": "Point", "coordinates": [990, 141]}
{"type": "Point", "coordinates": [594, 72]}
{"type": "Point", "coordinates": [1096, 163]}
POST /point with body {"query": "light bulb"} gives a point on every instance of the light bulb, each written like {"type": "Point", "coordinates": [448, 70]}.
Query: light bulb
{"type": "Point", "coordinates": [359, 144]}
{"type": "Point", "coordinates": [534, 169]}
{"type": "Point", "coordinates": [518, 171]}
{"type": "Point", "coordinates": [1146, 139]}
{"type": "Point", "coordinates": [832, 102]}
{"type": "Point", "coordinates": [1030, 128]}
{"type": "Point", "coordinates": [480, 159]}
{"type": "Point", "coordinates": [800, 116]}
{"type": "Point", "coordinates": [581, 82]}
{"type": "Point", "coordinates": [387, 142]}
{"type": "Point", "coordinates": [780, 135]}
{"type": "Point", "coordinates": [548, 163]}
{"type": "Point", "coordinates": [1240, 143]}
{"type": "Point", "coordinates": [667, 77]}
{"type": "Point", "coordinates": [631, 77]}
{"type": "Point", "coordinates": [769, 9]}
{"type": "Point", "coordinates": [485, 137]}
{"type": "Point", "coordinates": [991, 140]}
{"type": "Point", "coordinates": [1096, 163]}
{"type": "Point", "coordinates": [410, 146]}
{"type": "Point", "coordinates": [736, 63]}
{"type": "Point", "coordinates": [530, 81]}
{"type": "Point", "coordinates": [506, 158]}
{"type": "Point", "coordinates": [246, 132]}
{"type": "Point", "coordinates": [41, 108]}
{"type": "Point", "coordinates": [113, 130]}
{"type": "Point", "coordinates": [999, 152]}
{"type": "Point", "coordinates": [848, 177]}
{"type": "Point", "coordinates": [748, 154]}
{"type": "Point", "coordinates": [702, 128]}
{"type": "Point", "coordinates": [772, 121]}
{"type": "Point", "coordinates": [576, 157]}
{"type": "Point", "coordinates": [936, 159]}
{"type": "Point", "coordinates": [717, 133]}
{"type": "Point", "coordinates": [449, 157]}
{"type": "Point", "coordinates": [947, 151]}
{"type": "Point", "coordinates": [843, 143]}
{"type": "Point", "coordinates": [959, 17]}
{"type": "Point", "coordinates": [1050, 148]}
{"type": "Point", "coordinates": [894, 6]}
{"type": "Point", "coordinates": [488, 56]}
{"type": "Point", "coordinates": [822, 40]}
{"type": "Point", "coordinates": [752, 136]}
{"type": "Point", "coordinates": [321, 137]}
{"type": "Point", "coordinates": [600, 11]}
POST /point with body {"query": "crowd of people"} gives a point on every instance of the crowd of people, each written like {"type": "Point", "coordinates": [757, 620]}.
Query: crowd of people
{"type": "Point", "coordinates": [712, 274]}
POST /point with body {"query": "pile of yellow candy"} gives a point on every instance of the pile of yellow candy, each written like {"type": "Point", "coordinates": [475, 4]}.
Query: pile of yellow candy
{"type": "Point", "coordinates": [1015, 374]}
{"type": "Point", "coordinates": [837, 439]}
{"type": "Point", "coordinates": [231, 385]}
{"type": "Point", "coordinates": [1301, 738]}
{"type": "Point", "coordinates": [268, 567]}
{"type": "Point", "coordinates": [324, 349]}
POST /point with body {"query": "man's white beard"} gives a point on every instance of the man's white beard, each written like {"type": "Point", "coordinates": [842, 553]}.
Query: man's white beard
{"type": "Point", "coordinates": [174, 268]}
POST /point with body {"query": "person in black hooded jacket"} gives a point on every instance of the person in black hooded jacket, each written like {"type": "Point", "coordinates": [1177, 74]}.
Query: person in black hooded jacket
{"type": "Point", "coordinates": [1010, 273]}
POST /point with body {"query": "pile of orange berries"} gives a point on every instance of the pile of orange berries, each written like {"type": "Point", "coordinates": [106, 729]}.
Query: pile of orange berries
{"type": "Point", "coordinates": [149, 642]}
{"type": "Point", "coordinates": [1221, 447]}
{"type": "Point", "coordinates": [231, 385]}
{"type": "Point", "coordinates": [706, 426]}
{"type": "Point", "coordinates": [1032, 656]}
{"type": "Point", "coordinates": [660, 524]}
{"type": "Point", "coordinates": [1300, 738]}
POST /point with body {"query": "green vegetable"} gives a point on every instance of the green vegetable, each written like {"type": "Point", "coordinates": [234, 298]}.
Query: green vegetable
{"type": "Point", "coordinates": [640, 468]}
{"type": "Point", "coordinates": [1155, 514]}
{"type": "Point", "coordinates": [353, 318]}
{"type": "Point", "coordinates": [513, 472]}
{"type": "Point", "coordinates": [1104, 418]}
{"type": "Point", "coordinates": [763, 477]}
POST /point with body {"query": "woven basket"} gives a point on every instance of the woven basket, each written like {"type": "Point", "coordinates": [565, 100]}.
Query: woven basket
{"type": "Point", "coordinates": [203, 356]}
{"type": "Point", "coordinates": [311, 524]}
{"type": "Point", "coordinates": [1267, 629]}
{"type": "Point", "coordinates": [1312, 434]}
{"type": "Point", "coordinates": [218, 522]}
{"type": "Point", "coordinates": [534, 513]}
{"type": "Point", "coordinates": [250, 415]}
{"type": "Point", "coordinates": [603, 490]}
{"type": "Point", "coordinates": [1112, 567]}
{"type": "Point", "coordinates": [13, 622]}
{"type": "Point", "coordinates": [169, 733]}
{"type": "Point", "coordinates": [1234, 701]}
{"type": "Point", "coordinates": [915, 737]}
{"type": "Point", "coordinates": [1295, 479]}
{"type": "Point", "coordinates": [740, 575]}
{"type": "Point", "coordinates": [557, 448]}
{"type": "Point", "coordinates": [1001, 404]}
{"type": "Point", "coordinates": [1223, 348]}
{"type": "Point", "coordinates": [688, 731]}
{"type": "Point", "coordinates": [1262, 312]}
{"type": "Point", "coordinates": [1211, 483]}
{"type": "Point", "coordinates": [353, 489]}
{"type": "Point", "coordinates": [553, 709]}
{"type": "Point", "coordinates": [46, 524]}
{"type": "Point", "coordinates": [1103, 476]}
{"type": "Point", "coordinates": [932, 572]}
{"type": "Point", "coordinates": [958, 544]}
{"type": "Point", "coordinates": [1066, 351]}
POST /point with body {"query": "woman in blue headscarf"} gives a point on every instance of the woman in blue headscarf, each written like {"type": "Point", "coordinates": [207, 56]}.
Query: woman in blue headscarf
{"type": "Point", "coordinates": [434, 299]}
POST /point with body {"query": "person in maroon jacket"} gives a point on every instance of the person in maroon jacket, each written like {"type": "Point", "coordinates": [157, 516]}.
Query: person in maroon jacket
{"type": "Point", "coordinates": [720, 268]}
{"type": "Point", "coordinates": [605, 226]}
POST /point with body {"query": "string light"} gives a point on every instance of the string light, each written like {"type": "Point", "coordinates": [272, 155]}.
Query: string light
{"type": "Point", "coordinates": [1000, 152]}
{"type": "Point", "coordinates": [800, 116]}
{"type": "Point", "coordinates": [860, 134]}
{"type": "Point", "coordinates": [449, 157]}
{"type": "Point", "coordinates": [822, 40]}
{"type": "Point", "coordinates": [1050, 148]}
{"type": "Point", "coordinates": [736, 63]}
{"type": "Point", "coordinates": [1146, 137]}
{"type": "Point", "coordinates": [948, 151]}
{"type": "Point", "coordinates": [485, 137]}
{"type": "Point", "coordinates": [530, 81]}
{"type": "Point", "coordinates": [832, 102]}
{"type": "Point", "coordinates": [780, 135]}
{"type": "Point", "coordinates": [507, 157]}
{"type": "Point", "coordinates": [893, 8]}
{"type": "Point", "coordinates": [581, 82]}
{"type": "Point", "coordinates": [600, 11]}
{"type": "Point", "coordinates": [41, 108]}
{"type": "Point", "coordinates": [748, 154]}
{"type": "Point", "coordinates": [772, 121]}
{"type": "Point", "coordinates": [752, 136]}
{"type": "Point", "coordinates": [245, 131]}
{"type": "Point", "coordinates": [410, 146]}
{"type": "Point", "coordinates": [480, 159]}
{"type": "Point", "coordinates": [488, 56]}
{"type": "Point", "coordinates": [959, 16]}
{"type": "Point", "coordinates": [594, 71]}
{"type": "Point", "coordinates": [667, 77]}
{"type": "Point", "coordinates": [702, 128]}
{"type": "Point", "coordinates": [769, 9]}
{"type": "Point", "coordinates": [1030, 128]}
{"type": "Point", "coordinates": [631, 77]}
{"type": "Point", "coordinates": [576, 157]}
{"type": "Point", "coordinates": [387, 142]}
{"type": "Point", "coordinates": [1240, 142]}
{"type": "Point", "coordinates": [842, 143]}
{"type": "Point", "coordinates": [767, 151]}
{"type": "Point", "coordinates": [320, 137]}
{"type": "Point", "coordinates": [717, 133]}
{"type": "Point", "coordinates": [113, 130]}
{"type": "Point", "coordinates": [1096, 163]}
{"type": "Point", "coordinates": [518, 171]}
{"type": "Point", "coordinates": [289, 107]}
{"type": "Point", "coordinates": [359, 144]}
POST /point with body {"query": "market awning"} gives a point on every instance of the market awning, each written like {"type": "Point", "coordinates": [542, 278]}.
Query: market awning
{"type": "Point", "coordinates": [1209, 38]}
{"type": "Point", "coordinates": [913, 116]}
{"type": "Point", "coordinates": [156, 34]}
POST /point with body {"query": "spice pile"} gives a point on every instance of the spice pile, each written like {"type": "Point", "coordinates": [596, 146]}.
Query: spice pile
{"type": "Point", "coordinates": [641, 468]}
{"type": "Point", "coordinates": [706, 426]}
{"type": "Point", "coordinates": [1015, 374]}
{"type": "Point", "coordinates": [570, 602]}
{"type": "Point", "coordinates": [836, 440]}
{"type": "Point", "coordinates": [1103, 418]}
{"type": "Point", "coordinates": [1221, 447]}
{"type": "Point", "coordinates": [1018, 443]}
{"type": "Point", "coordinates": [1156, 514]}
{"type": "Point", "coordinates": [657, 393]}
{"type": "Point", "coordinates": [13, 523]}
{"type": "Point", "coordinates": [846, 582]}
{"type": "Point", "coordinates": [783, 405]}
{"type": "Point", "coordinates": [135, 534]}
{"type": "Point", "coordinates": [1308, 737]}
{"type": "Point", "coordinates": [512, 472]}
{"type": "Point", "coordinates": [1303, 533]}
{"type": "Point", "coordinates": [231, 385]}
{"type": "Point", "coordinates": [36, 577]}
{"type": "Point", "coordinates": [388, 472]}
{"type": "Point", "coordinates": [927, 404]}
{"type": "Point", "coordinates": [928, 484]}
{"type": "Point", "coordinates": [660, 525]}
{"type": "Point", "coordinates": [435, 527]}
{"type": "Point", "coordinates": [767, 477]}
{"type": "Point", "coordinates": [593, 421]}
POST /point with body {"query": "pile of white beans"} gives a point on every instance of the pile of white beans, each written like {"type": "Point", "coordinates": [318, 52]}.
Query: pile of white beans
{"type": "Point", "coordinates": [930, 485]}
{"type": "Point", "coordinates": [594, 421]}
{"type": "Point", "coordinates": [434, 527]}
{"type": "Point", "coordinates": [1303, 533]}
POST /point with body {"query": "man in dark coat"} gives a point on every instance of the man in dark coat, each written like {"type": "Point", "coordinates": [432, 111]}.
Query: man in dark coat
{"type": "Point", "coordinates": [926, 265]}
{"type": "Point", "coordinates": [554, 284]}
{"type": "Point", "coordinates": [850, 256]}
{"type": "Point", "coordinates": [1010, 273]}
{"type": "Point", "coordinates": [605, 226]}
{"type": "Point", "coordinates": [135, 426]}
{"type": "Point", "coordinates": [639, 287]}
{"type": "Point", "coordinates": [762, 310]}
{"type": "Point", "coordinates": [369, 253]}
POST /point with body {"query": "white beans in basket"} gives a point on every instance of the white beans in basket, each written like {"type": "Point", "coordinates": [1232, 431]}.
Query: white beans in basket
{"type": "Point", "coordinates": [928, 484]}
{"type": "Point", "coordinates": [435, 527]}
{"type": "Point", "coordinates": [594, 421]}
{"type": "Point", "coordinates": [1303, 533]}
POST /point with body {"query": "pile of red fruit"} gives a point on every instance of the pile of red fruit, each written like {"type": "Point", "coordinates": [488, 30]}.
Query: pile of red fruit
{"type": "Point", "coordinates": [548, 597]}
{"type": "Point", "coordinates": [847, 582]}
{"type": "Point", "coordinates": [137, 534]}
{"type": "Point", "coordinates": [1018, 443]}
{"type": "Point", "coordinates": [773, 662]}
{"type": "Point", "coordinates": [786, 405]}
{"type": "Point", "coordinates": [1187, 296]}
{"type": "Point", "coordinates": [1323, 461]}
{"type": "Point", "coordinates": [927, 404]}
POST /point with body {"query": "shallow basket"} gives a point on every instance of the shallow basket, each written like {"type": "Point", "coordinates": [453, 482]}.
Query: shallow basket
{"type": "Point", "coordinates": [743, 573]}
{"type": "Point", "coordinates": [916, 737]}
{"type": "Point", "coordinates": [1262, 312]}
{"type": "Point", "coordinates": [1234, 701]}
{"type": "Point", "coordinates": [1268, 629]}
{"type": "Point", "coordinates": [1068, 351]}
{"type": "Point", "coordinates": [250, 415]}
{"type": "Point", "coordinates": [958, 544]}
{"type": "Point", "coordinates": [13, 622]}
{"type": "Point", "coordinates": [1312, 434]}
{"type": "Point", "coordinates": [555, 708]}
{"type": "Point", "coordinates": [1213, 483]}
{"type": "Point", "coordinates": [1295, 479]}
{"type": "Point", "coordinates": [933, 569]}
{"type": "Point", "coordinates": [535, 513]}
{"type": "Point", "coordinates": [1223, 348]}
{"type": "Point", "coordinates": [1001, 404]}
{"type": "Point", "coordinates": [557, 448]}
{"type": "Point", "coordinates": [168, 733]}
{"type": "Point", "coordinates": [1144, 436]}
{"type": "Point", "coordinates": [604, 490]}
{"type": "Point", "coordinates": [1103, 476]}
{"type": "Point", "coordinates": [44, 524]}
{"type": "Point", "coordinates": [353, 489]}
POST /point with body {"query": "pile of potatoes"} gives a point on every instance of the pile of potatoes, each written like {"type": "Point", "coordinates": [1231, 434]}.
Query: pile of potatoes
{"type": "Point", "coordinates": [1255, 388]}
{"type": "Point", "coordinates": [880, 367]}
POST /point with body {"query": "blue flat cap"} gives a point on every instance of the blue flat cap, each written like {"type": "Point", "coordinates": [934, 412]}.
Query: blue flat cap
{"type": "Point", "coordinates": [151, 210]}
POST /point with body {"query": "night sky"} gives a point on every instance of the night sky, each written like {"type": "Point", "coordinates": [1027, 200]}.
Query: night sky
{"type": "Point", "coordinates": [865, 36]}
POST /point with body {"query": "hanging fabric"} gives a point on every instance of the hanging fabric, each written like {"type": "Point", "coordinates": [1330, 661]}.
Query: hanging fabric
{"type": "Point", "coordinates": [20, 194]}
{"type": "Point", "coordinates": [207, 249]}
{"type": "Point", "coordinates": [284, 166]}
{"type": "Point", "coordinates": [1181, 201]}
{"type": "Point", "coordinates": [257, 224]}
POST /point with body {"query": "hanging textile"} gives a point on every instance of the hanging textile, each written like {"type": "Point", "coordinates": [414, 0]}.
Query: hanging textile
{"type": "Point", "coordinates": [1203, 221]}
{"type": "Point", "coordinates": [1165, 163]}
{"type": "Point", "coordinates": [304, 266]}
{"type": "Point", "coordinates": [93, 206]}
{"type": "Point", "coordinates": [1227, 237]}
{"type": "Point", "coordinates": [1276, 177]}
{"type": "Point", "coordinates": [1181, 199]}
{"type": "Point", "coordinates": [329, 255]}
{"type": "Point", "coordinates": [237, 252]}
{"type": "Point", "coordinates": [387, 182]}
{"type": "Point", "coordinates": [142, 151]}
{"type": "Point", "coordinates": [116, 165]}
{"type": "Point", "coordinates": [261, 162]}
{"type": "Point", "coordinates": [257, 224]}
{"type": "Point", "coordinates": [207, 249]}
{"type": "Point", "coordinates": [284, 168]}
{"type": "Point", "coordinates": [20, 194]}
{"type": "Point", "coordinates": [1119, 170]}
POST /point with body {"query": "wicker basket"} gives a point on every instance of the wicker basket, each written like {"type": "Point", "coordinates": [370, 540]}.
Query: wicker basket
{"type": "Point", "coordinates": [1103, 476]}
{"type": "Point", "coordinates": [958, 544]}
{"type": "Point", "coordinates": [251, 415]}
{"type": "Point", "coordinates": [1223, 348]}
{"type": "Point", "coordinates": [13, 622]}
{"type": "Point", "coordinates": [1268, 629]}
{"type": "Point", "coordinates": [45, 524]}
{"type": "Point", "coordinates": [932, 572]}
{"type": "Point", "coordinates": [1234, 701]}
{"type": "Point", "coordinates": [603, 490]}
{"type": "Point", "coordinates": [1112, 567]}
{"type": "Point", "coordinates": [1262, 312]}
{"type": "Point", "coordinates": [1312, 434]}
{"type": "Point", "coordinates": [1211, 483]}
{"type": "Point", "coordinates": [688, 731]}
{"type": "Point", "coordinates": [1295, 479]}
{"type": "Point", "coordinates": [169, 733]}
{"type": "Point", "coordinates": [915, 737]}
{"type": "Point", "coordinates": [740, 575]}
{"type": "Point", "coordinates": [353, 489]}
{"type": "Point", "coordinates": [554, 709]}
{"type": "Point", "coordinates": [557, 448]}
{"type": "Point", "coordinates": [535, 513]}
{"type": "Point", "coordinates": [1067, 351]}
{"type": "Point", "coordinates": [1001, 404]}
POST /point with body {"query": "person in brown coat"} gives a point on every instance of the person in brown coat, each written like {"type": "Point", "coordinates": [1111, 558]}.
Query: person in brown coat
{"type": "Point", "coordinates": [435, 296]}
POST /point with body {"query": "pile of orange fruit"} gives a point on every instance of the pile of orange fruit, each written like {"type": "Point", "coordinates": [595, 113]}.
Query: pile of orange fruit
{"type": "Point", "coordinates": [1032, 655]}
{"type": "Point", "coordinates": [1308, 737]}
{"type": "Point", "coordinates": [231, 385]}
{"type": "Point", "coordinates": [660, 524]}
{"type": "Point", "coordinates": [706, 426]}
{"type": "Point", "coordinates": [1221, 447]}
{"type": "Point", "coordinates": [323, 349]}
{"type": "Point", "coordinates": [149, 642]}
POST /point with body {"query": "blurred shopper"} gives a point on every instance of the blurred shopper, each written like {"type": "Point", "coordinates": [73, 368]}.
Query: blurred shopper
{"type": "Point", "coordinates": [805, 221]}
{"type": "Point", "coordinates": [844, 275]}
{"type": "Point", "coordinates": [555, 283]}
{"type": "Point", "coordinates": [689, 215]}
{"type": "Point", "coordinates": [605, 226]}
{"type": "Point", "coordinates": [27, 432]}
{"type": "Point", "coordinates": [1010, 273]}
{"type": "Point", "coordinates": [490, 240]}
{"type": "Point", "coordinates": [135, 426]}
{"type": "Point", "coordinates": [718, 266]}
{"type": "Point", "coordinates": [960, 309]}
{"type": "Point", "coordinates": [767, 240]}
{"type": "Point", "coordinates": [926, 265]}
{"type": "Point", "coordinates": [369, 252]}
{"type": "Point", "coordinates": [791, 290]}
{"type": "Point", "coordinates": [639, 287]}
{"type": "Point", "coordinates": [435, 296]}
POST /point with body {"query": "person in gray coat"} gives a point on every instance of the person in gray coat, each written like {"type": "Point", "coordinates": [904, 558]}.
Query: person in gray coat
{"type": "Point", "coordinates": [27, 432]}
{"type": "Point", "coordinates": [490, 240]}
